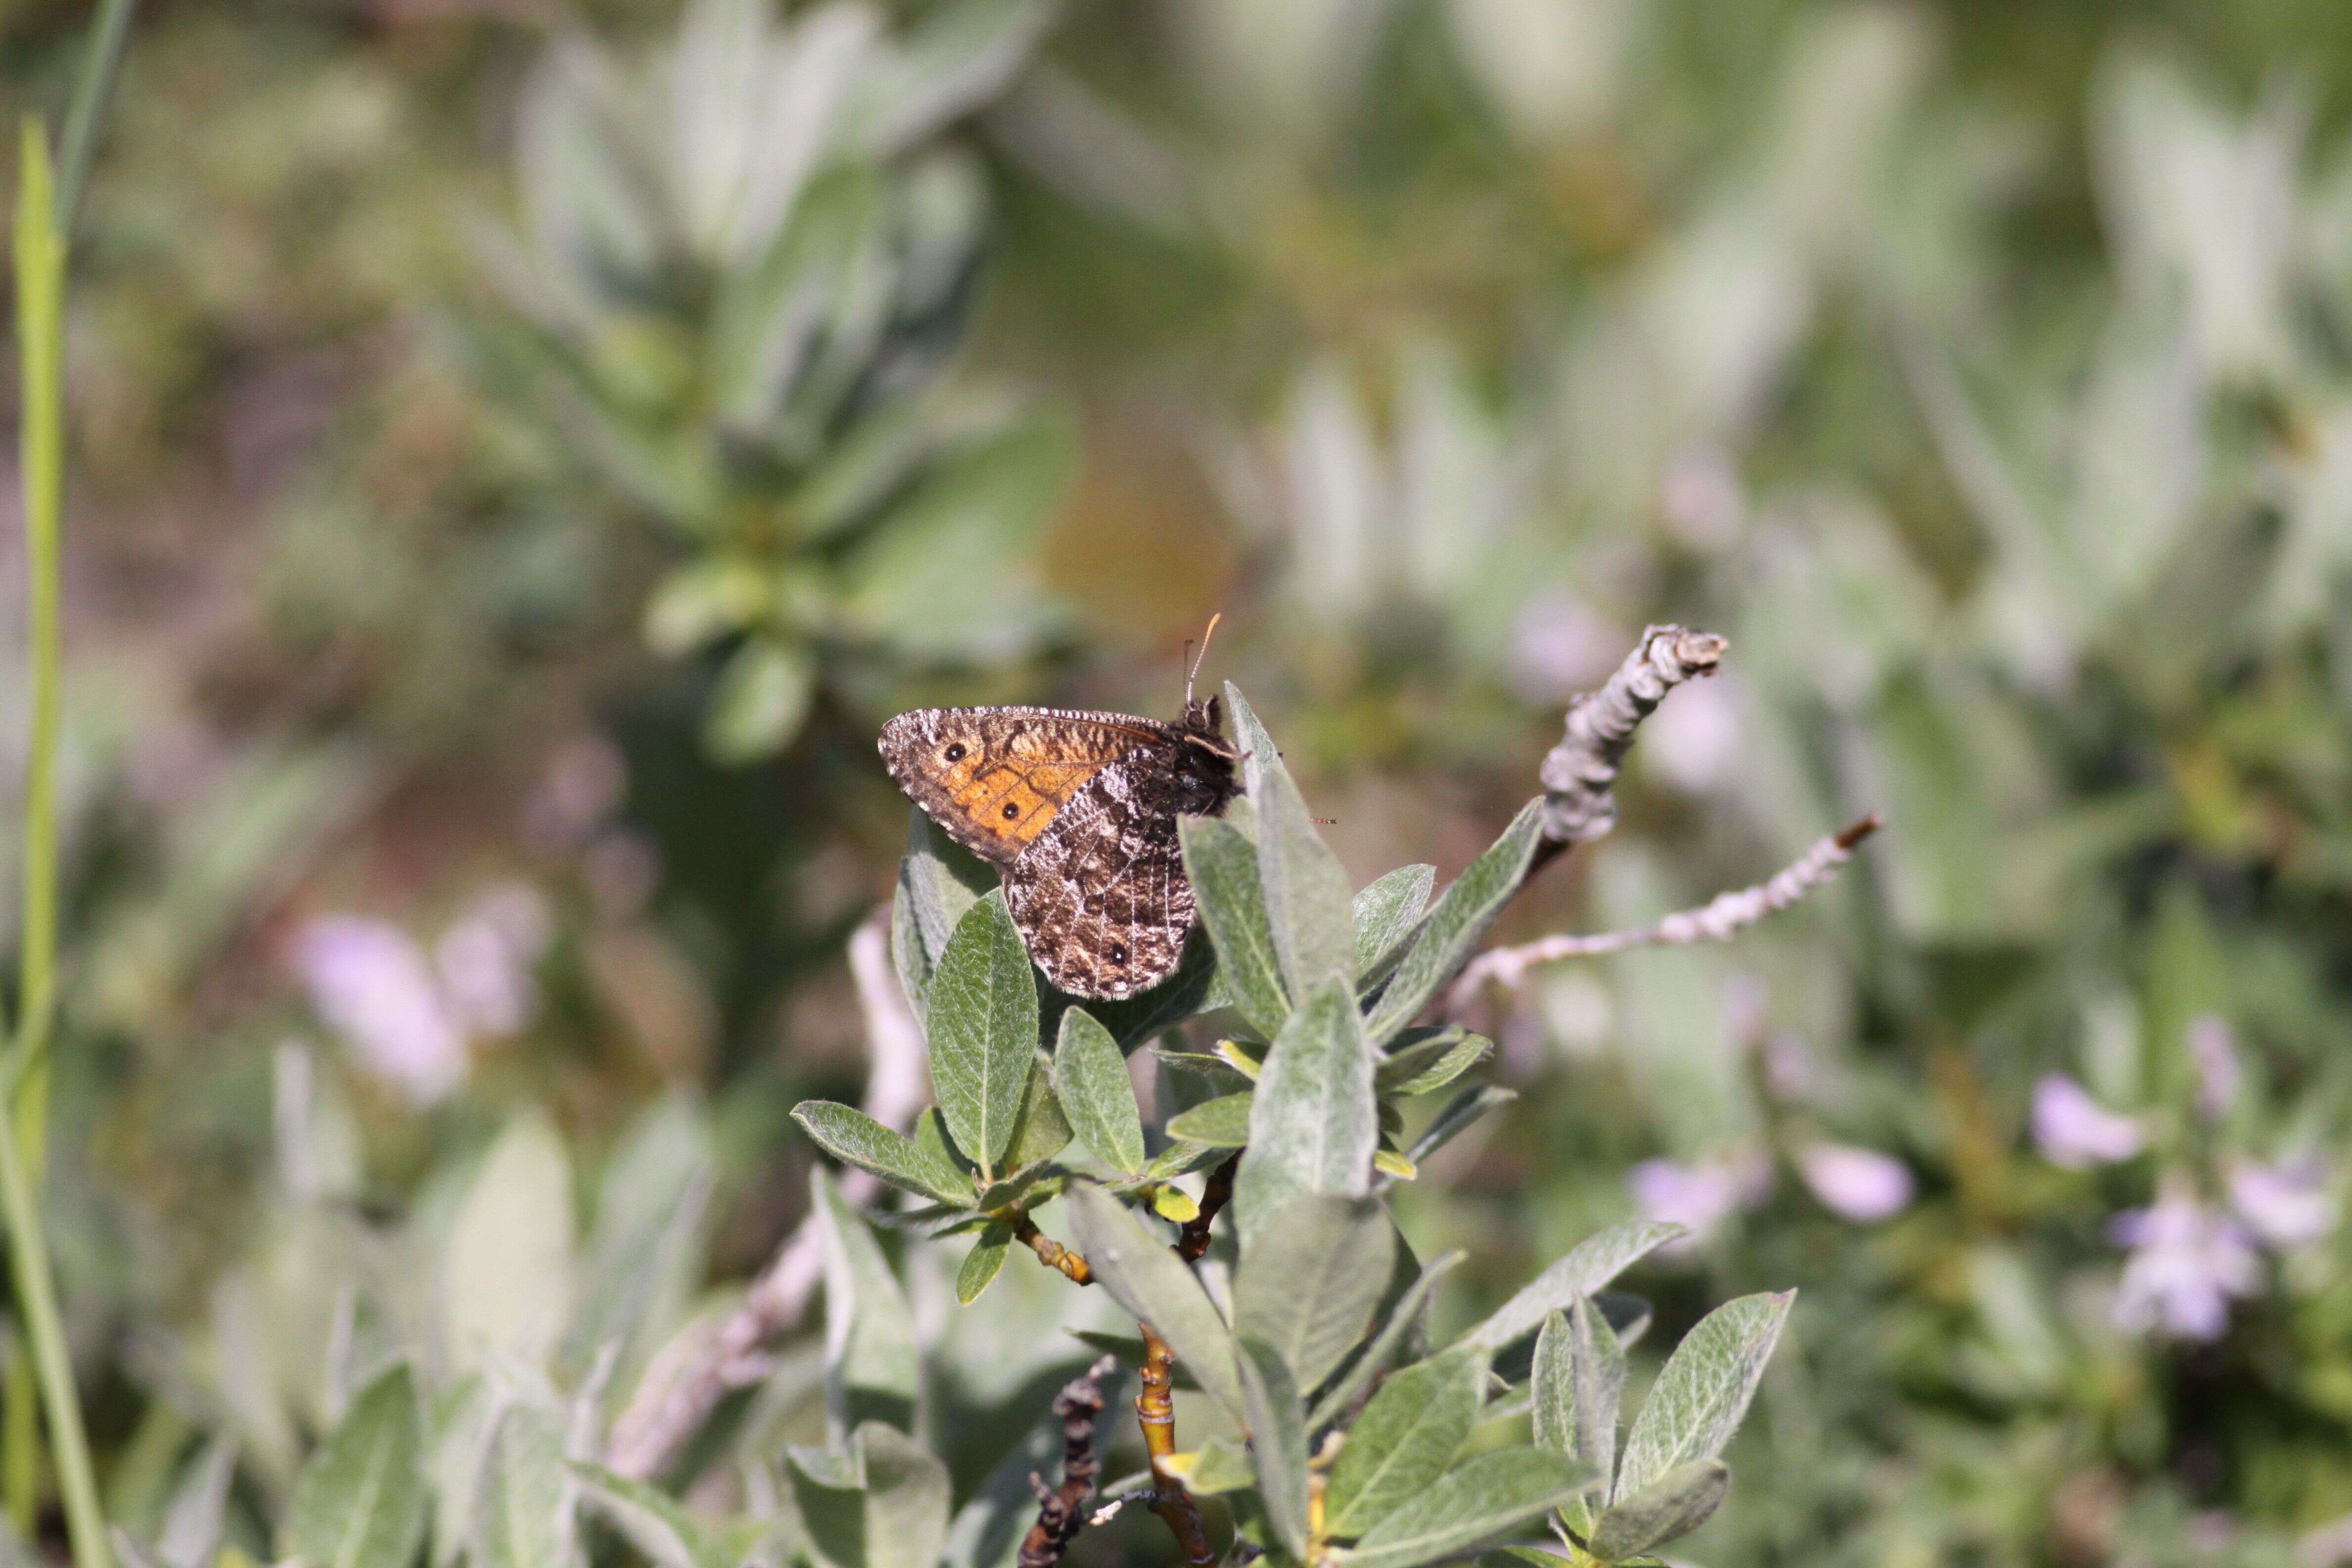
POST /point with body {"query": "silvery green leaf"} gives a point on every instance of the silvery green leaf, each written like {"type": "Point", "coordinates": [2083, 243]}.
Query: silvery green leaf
{"type": "Point", "coordinates": [1308, 906]}
{"type": "Point", "coordinates": [1097, 1095]}
{"type": "Point", "coordinates": [459, 1434]}
{"type": "Point", "coordinates": [190, 1535]}
{"type": "Point", "coordinates": [983, 1262]}
{"type": "Point", "coordinates": [988, 1529]}
{"type": "Point", "coordinates": [1040, 1130]}
{"type": "Point", "coordinates": [1312, 1280]}
{"type": "Point", "coordinates": [360, 1502]}
{"type": "Point", "coordinates": [1421, 1061]}
{"type": "Point", "coordinates": [939, 881]}
{"type": "Point", "coordinates": [1449, 932]}
{"type": "Point", "coordinates": [1176, 1160]}
{"type": "Point", "coordinates": [1313, 1121]}
{"type": "Point", "coordinates": [1670, 1507]}
{"type": "Point", "coordinates": [1578, 1380]}
{"type": "Point", "coordinates": [1277, 1429]}
{"type": "Point", "coordinates": [1223, 867]}
{"type": "Point", "coordinates": [906, 1499]}
{"type": "Point", "coordinates": [133, 1551]}
{"type": "Point", "coordinates": [984, 1031]}
{"type": "Point", "coordinates": [1696, 1404]}
{"type": "Point", "coordinates": [659, 1526]}
{"type": "Point", "coordinates": [1223, 1122]}
{"type": "Point", "coordinates": [1386, 910]}
{"type": "Point", "coordinates": [873, 1369]}
{"type": "Point", "coordinates": [645, 1250]}
{"type": "Point", "coordinates": [1582, 1270]}
{"type": "Point", "coordinates": [522, 1506]}
{"type": "Point", "coordinates": [1486, 1497]}
{"type": "Point", "coordinates": [1456, 1116]}
{"type": "Point", "coordinates": [761, 701]}
{"type": "Point", "coordinates": [506, 1281]}
{"type": "Point", "coordinates": [1404, 1439]}
{"type": "Point", "coordinates": [1152, 1283]}
{"type": "Point", "coordinates": [1220, 1465]}
{"type": "Point", "coordinates": [1403, 1320]}
{"type": "Point", "coordinates": [1464, 1055]}
{"type": "Point", "coordinates": [957, 59]}
{"type": "Point", "coordinates": [854, 1138]}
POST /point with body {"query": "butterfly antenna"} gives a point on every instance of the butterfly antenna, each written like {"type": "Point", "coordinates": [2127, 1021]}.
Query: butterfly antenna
{"type": "Point", "coordinates": [1190, 674]}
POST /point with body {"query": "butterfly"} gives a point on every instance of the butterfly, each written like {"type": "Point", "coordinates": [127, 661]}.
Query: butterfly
{"type": "Point", "coordinates": [1078, 810]}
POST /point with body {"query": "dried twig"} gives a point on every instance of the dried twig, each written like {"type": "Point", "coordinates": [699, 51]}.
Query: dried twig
{"type": "Point", "coordinates": [1717, 920]}
{"type": "Point", "coordinates": [682, 1387]}
{"type": "Point", "coordinates": [1192, 1241]}
{"type": "Point", "coordinates": [1580, 775]}
{"type": "Point", "coordinates": [1062, 1511]}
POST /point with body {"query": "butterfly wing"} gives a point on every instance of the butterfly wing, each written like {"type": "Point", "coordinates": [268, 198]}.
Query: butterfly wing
{"type": "Point", "coordinates": [996, 778]}
{"type": "Point", "coordinates": [1101, 898]}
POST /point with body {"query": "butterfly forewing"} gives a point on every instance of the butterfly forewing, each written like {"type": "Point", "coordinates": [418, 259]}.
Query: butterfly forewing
{"type": "Point", "coordinates": [995, 778]}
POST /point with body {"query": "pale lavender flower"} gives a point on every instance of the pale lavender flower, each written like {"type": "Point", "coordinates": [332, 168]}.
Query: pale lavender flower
{"type": "Point", "coordinates": [2073, 1130]}
{"type": "Point", "coordinates": [486, 957]}
{"type": "Point", "coordinates": [2214, 1048]}
{"type": "Point", "coordinates": [2288, 1205]}
{"type": "Point", "coordinates": [1858, 1184]}
{"type": "Point", "coordinates": [1698, 1196]}
{"type": "Point", "coordinates": [2187, 1261]}
{"type": "Point", "coordinates": [372, 985]}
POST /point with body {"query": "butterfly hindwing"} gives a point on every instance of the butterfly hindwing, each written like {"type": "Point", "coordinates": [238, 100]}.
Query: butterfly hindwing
{"type": "Point", "coordinates": [1101, 897]}
{"type": "Point", "coordinates": [996, 778]}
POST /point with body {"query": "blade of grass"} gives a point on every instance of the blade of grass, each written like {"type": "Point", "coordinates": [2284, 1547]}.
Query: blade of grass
{"type": "Point", "coordinates": [106, 35]}
{"type": "Point", "coordinates": [40, 290]}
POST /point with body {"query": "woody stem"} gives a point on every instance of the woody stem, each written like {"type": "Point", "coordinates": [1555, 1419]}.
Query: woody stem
{"type": "Point", "coordinates": [1155, 1411]}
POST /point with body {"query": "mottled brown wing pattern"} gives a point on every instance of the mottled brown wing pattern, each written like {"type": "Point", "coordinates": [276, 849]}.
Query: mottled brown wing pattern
{"type": "Point", "coordinates": [1101, 900]}
{"type": "Point", "coordinates": [996, 778]}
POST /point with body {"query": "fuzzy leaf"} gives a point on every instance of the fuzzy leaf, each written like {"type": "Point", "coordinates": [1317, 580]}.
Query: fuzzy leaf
{"type": "Point", "coordinates": [1040, 1128]}
{"type": "Point", "coordinates": [659, 1528]}
{"type": "Point", "coordinates": [522, 1509]}
{"type": "Point", "coordinates": [983, 1262]}
{"type": "Point", "coordinates": [1403, 1320]}
{"type": "Point", "coordinates": [1219, 1466]}
{"type": "Point", "coordinates": [1223, 1122]}
{"type": "Point", "coordinates": [1386, 910]}
{"type": "Point", "coordinates": [1278, 1427]}
{"type": "Point", "coordinates": [506, 1284]}
{"type": "Point", "coordinates": [939, 881]}
{"type": "Point", "coordinates": [1458, 1116]}
{"type": "Point", "coordinates": [1487, 1496]}
{"type": "Point", "coordinates": [1404, 1439]}
{"type": "Point", "coordinates": [1306, 898]}
{"type": "Point", "coordinates": [1312, 1280]}
{"type": "Point", "coordinates": [1583, 1269]}
{"type": "Point", "coordinates": [984, 1030]}
{"type": "Point", "coordinates": [1313, 1121]}
{"type": "Point", "coordinates": [1443, 943]}
{"type": "Point", "coordinates": [1223, 867]}
{"type": "Point", "coordinates": [361, 1500]}
{"type": "Point", "coordinates": [1152, 1283]}
{"type": "Point", "coordinates": [854, 1138]}
{"type": "Point", "coordinates": [872, 1367]}
{"type": "Point", "coordinates": [1097, 1095]}
{"type": "Point", "coordinates": [1670, 1507]}
{"type": "Point", "coordinates": [906, 1496]}
{"type": "Point", "coordinates": [1580, 1378]}
{"type": "Point", "coordinates": [1703, 1390]}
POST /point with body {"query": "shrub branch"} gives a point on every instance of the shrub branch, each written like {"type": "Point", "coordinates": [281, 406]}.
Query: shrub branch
{"type": "Point", "coordinates": [1580, 775]}
{"type": "Point", "coordinates": [1062, 1511]}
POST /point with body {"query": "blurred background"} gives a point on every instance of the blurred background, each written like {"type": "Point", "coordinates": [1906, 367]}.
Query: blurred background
{"type": "Point", "coordinates": [521, 450]}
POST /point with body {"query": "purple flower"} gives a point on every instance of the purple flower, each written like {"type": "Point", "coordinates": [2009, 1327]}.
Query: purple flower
{"type": "Point", "coordinates": [2187, 1260]}
{"type": "Point", "coordinates": [485, 959]}
{"type": "Point", "coordinates": [1698, 1196]}
{"type": "Point", "coordinates": [1858, 1184]}
{"type": "Point", "coordinates": [2214, 1048]}
{"type": "Point", "coordinates": [373, 987]}
{"type": "Point", "coordinates": [2073, 1130]}
{"type": "Point", "coordinates": [2288, 1205]}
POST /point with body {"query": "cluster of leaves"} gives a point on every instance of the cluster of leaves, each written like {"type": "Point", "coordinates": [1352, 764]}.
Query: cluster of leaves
{"type": "Point", "coordinates": [1338, 1424]}
{"type": "Point", "coordinates": [743, 272]}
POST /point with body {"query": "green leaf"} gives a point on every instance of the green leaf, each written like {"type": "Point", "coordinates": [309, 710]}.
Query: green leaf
{"type": "Point", "coordinates": [1091, 1074]}
{"type": "Point", "coordinates": [1487, 1496]}
{"type": "Point", "coordinates": [1703, 1390]}
{"type": "Point", "coordinates": [522, 1509]}
{"type": "Point", "coordinates": [761, 701]}
{"type": "Point", "coordinates": [1040, 1131]}
{"type": "Point", "coordinates": [854, 1138]}
{"type": "Point", "coordinates": [1305, 891]}
{"type": "Point", "coordinates": [1458, 1116]}
{"type": "Point", "coordinates": [906, 1501]}
{"type": "Point", "coordinates": [645, 1255]}
{"type": "Point", "coordinates": [873, 1369]}
{"type": "Point", "coordinates": [361, 1500]}
{"type": "Point", "coordinates": [506, 1285]}
{"type": "Point", "coordinates": [984, 1031]}
{"type": "Point", "coordinates": [1578, 1381]}
{"type": "Point", "coordinates": [1277, 1429]}
{"type": "Point", "coordinates": [1670, 1507]}
{"type": "Point", "coordinates": [1313, 1122]}
{"type": "Point", "coordinates": [1426, 1060]}
{"type": "Point", "coordinates": [1223, 1122]}
{"type": "Point", "coordinates": [939, 882]}
{"type": "Point", "coordinates": [1311, 1281]}
{"type": "Point", "coordinates": [190, 1536]}
{"type": "Point", "coordinates": [659, 1528]}
{"type": "Point", "coordinates": [1581, 1272]}
{"type": "Point", "coordinates": [1447, 937]}
{"type": "Point", "coordinates": [1220, 1465]}
{"type": "Point", "coordinates": [1404, 1439]}
{"type": "Point", "coordinates": [1223, 867]}
{"type": "Point", "coordinates": [1386, 910]}
{"type": "Point", "coordinates": [1403, 1318]}
{"type": "Point", "coordinates": [983, 1263]}
{"type": "Point", "coordinates": [1152, 1283]}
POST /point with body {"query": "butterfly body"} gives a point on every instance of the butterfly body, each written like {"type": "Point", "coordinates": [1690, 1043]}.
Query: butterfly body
{"type": "Point", "coordinates": [1078, 810]}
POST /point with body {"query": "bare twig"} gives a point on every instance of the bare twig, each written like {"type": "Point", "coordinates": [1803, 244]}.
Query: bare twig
{"type": "Point", "coordinates": [1579, 776]}
{"type": "Point", "coordinates": [682, 1389]}
{"type": "Point", "coordinates": [1192, 1241]}
{"type": "Point", "coordinates": [1062, 1511]}
{"type": "Point", "coordinates": [1155, 1411]}
{"type": "Point", "coordinates": [1071, 1266]}
{"type": "Point", "coordinates": [1717, 920]}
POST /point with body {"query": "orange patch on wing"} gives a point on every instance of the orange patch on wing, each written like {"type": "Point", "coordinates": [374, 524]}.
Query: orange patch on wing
{"type": "Point", "coordinates": [1033, 796]}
